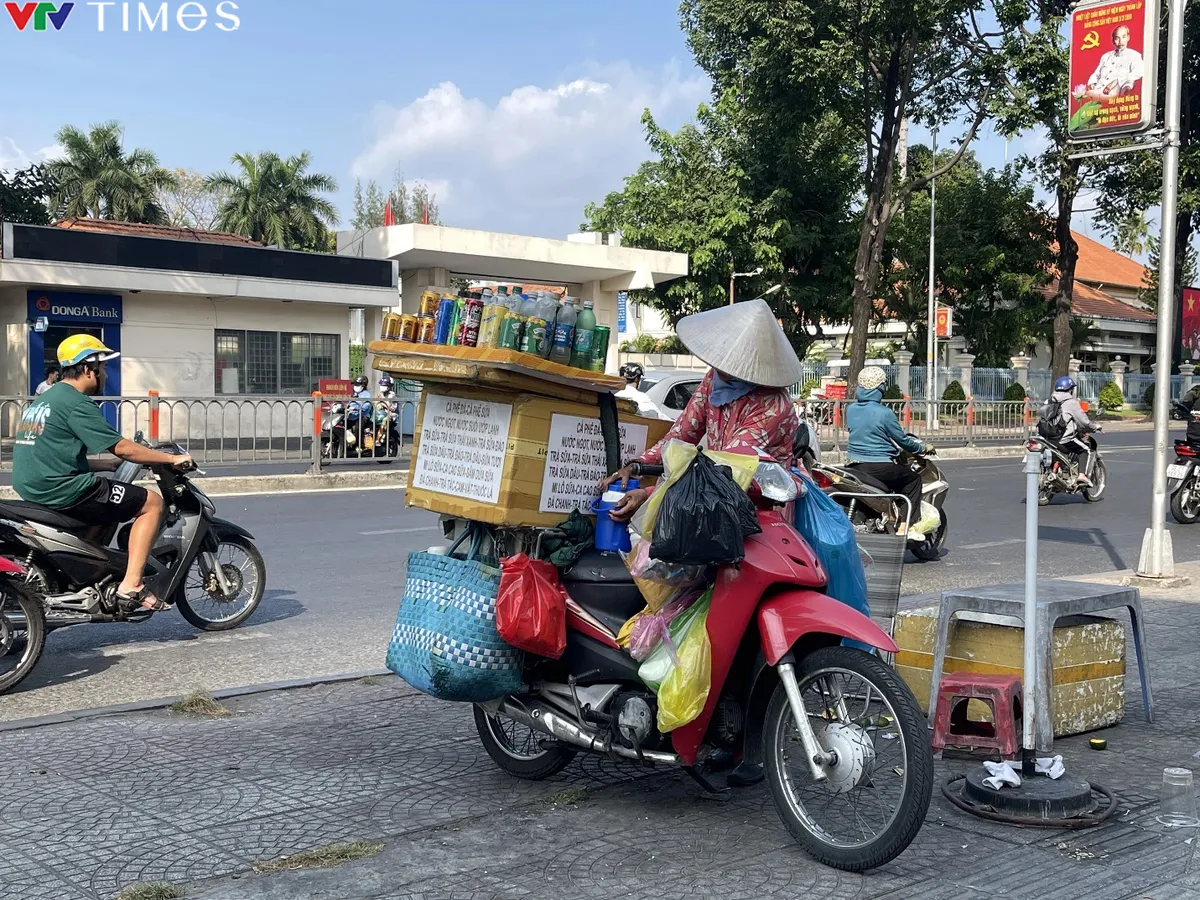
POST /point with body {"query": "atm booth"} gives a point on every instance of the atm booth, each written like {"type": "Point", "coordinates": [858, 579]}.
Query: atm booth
{"type": "Point", "coordinates": [56, 315]}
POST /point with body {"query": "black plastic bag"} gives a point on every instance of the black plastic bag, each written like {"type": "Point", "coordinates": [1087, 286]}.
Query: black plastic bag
{"type": "Point", "coordinates": [704, 518]}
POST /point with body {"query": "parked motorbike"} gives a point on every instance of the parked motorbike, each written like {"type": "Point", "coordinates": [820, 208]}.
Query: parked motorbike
{"type": "Point", "coordinates": [1058, 473]}
{"type": "Point", "coordinates": [847, 754]}
{"type": "Point", "coordinates": [205, 566]}
{"type": "Point", "coordinates": [1183, 483]}
{"type": "Point", "coordinates": [368, 430]}
{"type": "Point", "coordinates": [22, 626]}
{"type": "Point", "coordinates": [872, 508]}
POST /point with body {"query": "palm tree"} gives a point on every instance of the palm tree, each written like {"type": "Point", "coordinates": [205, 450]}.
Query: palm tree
{"type": "Point", "coordinates": [276, 201]}
{"type": "Point", "coordinates": [96, 177]}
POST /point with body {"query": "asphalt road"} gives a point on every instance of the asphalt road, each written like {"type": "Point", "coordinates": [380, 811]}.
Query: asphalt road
{"type": "Point", "coordinates": [335, 564]}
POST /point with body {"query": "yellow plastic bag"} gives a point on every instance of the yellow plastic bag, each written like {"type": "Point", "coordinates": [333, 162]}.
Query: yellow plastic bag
{"type": "Point", "coordinates": [680, 669]}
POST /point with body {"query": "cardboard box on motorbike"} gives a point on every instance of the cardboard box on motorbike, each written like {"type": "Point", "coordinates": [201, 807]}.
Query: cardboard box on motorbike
{"type": "Point", "coordinates": [508, 438]}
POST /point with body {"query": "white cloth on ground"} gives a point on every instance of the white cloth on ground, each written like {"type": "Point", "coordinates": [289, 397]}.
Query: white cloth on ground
{"type": "Point", "coordinates": [1002, 774]}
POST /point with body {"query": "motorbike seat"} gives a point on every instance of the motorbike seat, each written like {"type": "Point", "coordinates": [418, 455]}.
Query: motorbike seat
{"type": "Point", "coordinates": [600, 583]}
{"type": "Point", "coordinates": [869, 480]}
{"type": "Point", "coordinates": [42, 515]}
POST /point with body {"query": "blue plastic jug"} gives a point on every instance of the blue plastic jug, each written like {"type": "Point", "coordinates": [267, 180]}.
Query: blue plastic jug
{"type": "Point", "coordinates": [611, 537]}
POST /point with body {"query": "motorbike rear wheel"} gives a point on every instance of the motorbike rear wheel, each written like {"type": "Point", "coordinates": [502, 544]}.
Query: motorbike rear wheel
{"type": "Point", "coordinates": [22, 632]}
{"type": "Point", "coordinates": [519, 750]}
{"type": "Point", "coordinates": [1099, 482]}
{"type": "Point", "coordinates": [931, 549]}
{"type": "Point", "coordinates": [862, 711]}
{"type": "Point", "coordinates": [1185, 502]}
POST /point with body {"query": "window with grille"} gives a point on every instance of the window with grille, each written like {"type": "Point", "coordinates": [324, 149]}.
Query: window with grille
{"type": "Point", "coordinates": [272, 362]}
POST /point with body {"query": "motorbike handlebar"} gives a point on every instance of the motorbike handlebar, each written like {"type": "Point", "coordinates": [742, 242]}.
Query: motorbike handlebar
{"type": "Point", "coordinates": [643, 470]}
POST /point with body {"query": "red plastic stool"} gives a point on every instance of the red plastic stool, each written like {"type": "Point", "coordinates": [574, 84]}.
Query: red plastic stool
{"type": "Point", "coordinates": [951, 728]}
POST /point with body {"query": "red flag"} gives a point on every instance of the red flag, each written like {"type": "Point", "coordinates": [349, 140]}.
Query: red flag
{"type": "Point", "coordinates": [389, 217]}
{"type": "Point", "coordinates": [425, 215]}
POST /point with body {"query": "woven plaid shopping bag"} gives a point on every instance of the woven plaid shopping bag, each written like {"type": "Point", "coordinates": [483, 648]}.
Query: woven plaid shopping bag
{"type": "Point", "coordinates": [445, 643]}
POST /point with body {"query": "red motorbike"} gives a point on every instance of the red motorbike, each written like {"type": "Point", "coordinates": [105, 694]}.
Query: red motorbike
{"type": "Point", "coordinates": [844, 745]}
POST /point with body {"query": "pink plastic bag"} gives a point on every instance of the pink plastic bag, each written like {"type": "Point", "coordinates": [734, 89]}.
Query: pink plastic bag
{"type": "Point", "coordinates": [652, 629]}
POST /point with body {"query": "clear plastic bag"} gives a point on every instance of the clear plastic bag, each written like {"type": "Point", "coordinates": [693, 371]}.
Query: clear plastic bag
{"type": "Point", "coordinates": [653, 628]}
{"type": "Point", "coordinates": [682, 679]}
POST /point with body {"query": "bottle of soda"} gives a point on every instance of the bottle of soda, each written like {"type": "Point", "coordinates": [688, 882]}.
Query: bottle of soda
{"type": "Point", "coordinates": [585, 327]}
{"type": "Point", "coordinates": [564, 333]}
{"type": "Point", "coordinates": [513, 324]}
{"type": "Point", "coordinates": [533, 340]}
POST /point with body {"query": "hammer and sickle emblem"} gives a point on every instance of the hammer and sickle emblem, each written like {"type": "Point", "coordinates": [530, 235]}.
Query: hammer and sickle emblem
{"type": "Point", "coordinates": [1091, 41]}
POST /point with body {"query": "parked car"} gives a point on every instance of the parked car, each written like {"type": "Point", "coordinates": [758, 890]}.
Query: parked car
{"type": "Point", "coordinates": [671, 389]}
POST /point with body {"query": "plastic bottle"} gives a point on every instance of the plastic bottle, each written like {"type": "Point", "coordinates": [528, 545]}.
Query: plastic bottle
{"type": "Point", "coordinates": [564, 333]}
{"type": "Point", "coordinates": [548, 306]}
{"type": "Point", "coordinates": [493, 314]}
{"type": "Point", "coordinates": [534, 339]}
{"type": "Point", "coordinates": [585, 327]}
{"type": "Point", "coordinates": [513, 324]}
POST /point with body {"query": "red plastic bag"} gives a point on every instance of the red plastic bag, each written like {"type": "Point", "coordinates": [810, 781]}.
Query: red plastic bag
{"type": "Point", "coordinates": [531, 611]}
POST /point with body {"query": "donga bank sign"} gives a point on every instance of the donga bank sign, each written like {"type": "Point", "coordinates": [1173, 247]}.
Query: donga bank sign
{"type": "Point", "coordinates": [122, 15]}
{"type": "Point", "coordinates": [62, 308]}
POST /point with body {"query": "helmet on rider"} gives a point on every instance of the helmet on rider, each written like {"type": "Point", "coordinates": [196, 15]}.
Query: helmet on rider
{"type": "Point", "coordinates": [872, 377]}
{"type": "Point", "coordinates": [1065, 384]}
{"type": "Point", "coordinates": [385, 382]}
{"type": "Point", "coordinates": [80, 348]}
{"type": "Point", "coordinates": [361, 382]}
{"type": "Point", "coordinates": [632, 373]}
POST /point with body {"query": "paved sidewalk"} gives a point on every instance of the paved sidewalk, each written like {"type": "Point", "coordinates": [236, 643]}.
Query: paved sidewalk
{"type": "Point", "coordinates": [90, 807]}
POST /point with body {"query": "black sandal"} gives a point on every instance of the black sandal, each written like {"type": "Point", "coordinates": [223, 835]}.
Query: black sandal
{"type": "Point", "coordinates": [142, 599]}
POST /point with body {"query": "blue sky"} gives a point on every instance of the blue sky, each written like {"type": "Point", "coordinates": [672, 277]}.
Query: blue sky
{"type": "Point", "coordinates": [516, 113]}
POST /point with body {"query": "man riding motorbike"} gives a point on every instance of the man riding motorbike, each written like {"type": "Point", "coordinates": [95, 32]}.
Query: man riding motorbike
{"type": "Point", "coordinates": [1191, 401]}
{"type": "Point", "coordinates": [633, 375]}
{"type": "Point", "coordinates": [1064, 405]}
{"type": "Point", "coordinates": [51, 466]}
{"type": "Point", "coordinates": [741, 406]}
{"type": "Point", "coordinates": [875, 435]}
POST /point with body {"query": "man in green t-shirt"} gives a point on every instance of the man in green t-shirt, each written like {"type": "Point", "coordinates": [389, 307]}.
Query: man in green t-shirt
{"type": "Point", "coordinates": [51, 466]}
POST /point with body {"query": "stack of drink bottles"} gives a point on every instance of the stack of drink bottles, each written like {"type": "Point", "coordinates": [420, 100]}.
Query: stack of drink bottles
{"type": "Point", "coordinates": [537, 323]}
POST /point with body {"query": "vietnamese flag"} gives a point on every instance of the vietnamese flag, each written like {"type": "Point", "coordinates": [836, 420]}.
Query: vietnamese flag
{"type": "Point", "coordinates": [389, 218]}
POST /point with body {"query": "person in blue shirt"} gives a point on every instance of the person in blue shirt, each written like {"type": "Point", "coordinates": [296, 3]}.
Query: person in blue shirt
{"type": "Point", "coordinates": [876, 439]}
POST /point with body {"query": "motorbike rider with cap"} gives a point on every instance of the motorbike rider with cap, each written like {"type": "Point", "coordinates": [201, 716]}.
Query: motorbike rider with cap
{"type": "Point", "coordinates": [742, 406]}
{"type": "Point", "coordinates": [875, 439]}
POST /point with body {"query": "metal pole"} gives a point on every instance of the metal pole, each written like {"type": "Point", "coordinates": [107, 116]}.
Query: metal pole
{"type": "Point", "coordinates": [930, 338]}
{"type": "Point", "coordinates": [1156, 558]}
{"type": "Point", "coordinates": [1033, 467]}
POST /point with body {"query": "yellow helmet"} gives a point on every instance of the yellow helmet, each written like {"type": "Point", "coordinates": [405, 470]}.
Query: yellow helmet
{"type": "Point", "coordinates": [79, 347]}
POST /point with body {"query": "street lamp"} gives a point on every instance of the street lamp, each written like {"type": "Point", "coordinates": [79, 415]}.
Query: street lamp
{"type": "Point", "coordinates": [737, 275]}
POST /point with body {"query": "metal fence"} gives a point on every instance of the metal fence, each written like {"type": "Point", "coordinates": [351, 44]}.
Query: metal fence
{"type": "Point", "coordinates": [944, 422]}
{"type": "Point", "coordinates": [244, 430]}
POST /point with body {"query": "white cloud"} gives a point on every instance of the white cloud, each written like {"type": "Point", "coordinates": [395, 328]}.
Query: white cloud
{"type": "Point", "coordinates": [13, 157]}
{"type": "Point", "coordinates": [529, 162]}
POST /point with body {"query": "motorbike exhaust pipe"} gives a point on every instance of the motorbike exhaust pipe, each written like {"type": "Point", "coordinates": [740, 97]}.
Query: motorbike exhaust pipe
{"type": "Point", "coordinates": [551, 723]}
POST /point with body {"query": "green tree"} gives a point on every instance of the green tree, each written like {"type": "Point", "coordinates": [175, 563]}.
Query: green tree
{"type": "Point", "coordinates": [989, 268]}
{"type": "Point", "coordinates": [96, 177]}
{"type": "Point", "coordinates": [25, 196]}
{"type": "Point", "coordinates": [408, 204]}
{"type": "Point", "coordinates": [736, 197]}
{"type": "Point", "coordinates": [276, 201]}
{"type": "Point", "coordinates": [872, 65]}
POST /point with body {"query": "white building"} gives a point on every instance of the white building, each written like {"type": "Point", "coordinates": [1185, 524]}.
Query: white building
{"type": "Point", "coordinates": [193, 314]}
{"type": "Point", "coordinates": [590, 266]}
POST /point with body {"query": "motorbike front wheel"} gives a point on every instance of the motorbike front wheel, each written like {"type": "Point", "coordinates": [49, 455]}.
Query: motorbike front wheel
{"type": "Point", "coordinates": [200, 599]}
{"type": "Point", "coordinates": [1185, 502]}
{"type": "Point", "coordinates": [1099, 482]}
{"type": "Point", "coordinates": [878, 789]}
{"type": "Point", "coordinates": [22, 632]}
{"type": "Point", "coordinates": [931, 549]}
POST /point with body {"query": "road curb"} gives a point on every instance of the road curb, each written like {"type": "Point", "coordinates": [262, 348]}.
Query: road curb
{"type": "Point", "coordinates": [243, 485]}
{"type": "Point", "coordinates": [1015, 451]}
{"type": "Point", "coordinates": [117, 709]}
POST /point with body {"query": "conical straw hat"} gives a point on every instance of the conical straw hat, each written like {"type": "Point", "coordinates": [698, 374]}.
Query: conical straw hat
{"type": "Point", "coordinates": [745, 341]}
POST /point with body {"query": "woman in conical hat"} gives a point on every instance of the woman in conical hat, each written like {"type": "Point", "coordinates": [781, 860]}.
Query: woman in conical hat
{"type": "Point", "coordinates": [742, 405]}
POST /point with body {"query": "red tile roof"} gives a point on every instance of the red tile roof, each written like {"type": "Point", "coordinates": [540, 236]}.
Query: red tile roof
{"type": "Point", "coordinates": [1087, 301]}
{"type": "Point", "coordinates": [1102, 265]}
{"type": "Point", "coordinates": [135, 229]}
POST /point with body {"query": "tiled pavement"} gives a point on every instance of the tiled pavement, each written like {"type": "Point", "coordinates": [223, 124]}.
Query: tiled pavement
{"type": "Point", "coordinates": [90, 807]}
